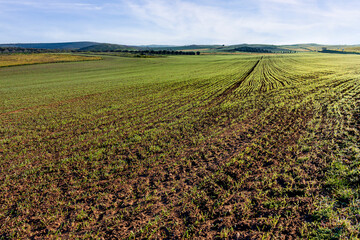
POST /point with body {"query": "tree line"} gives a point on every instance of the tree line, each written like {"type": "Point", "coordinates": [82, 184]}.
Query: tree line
{"type": "Point", "coordinates": [9, 50]}
{"type": "Point", "coordinates": [152, 52]}
{"type": "Point", "coordinates": [251, 49]}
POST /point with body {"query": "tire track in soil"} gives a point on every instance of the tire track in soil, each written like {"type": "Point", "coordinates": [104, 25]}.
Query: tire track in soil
{"type": "Point", "coordinates": [233, 87]}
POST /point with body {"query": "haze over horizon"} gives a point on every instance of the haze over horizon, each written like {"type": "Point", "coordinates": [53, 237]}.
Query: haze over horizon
{"type": "Point", "coordinates": [180, 22]}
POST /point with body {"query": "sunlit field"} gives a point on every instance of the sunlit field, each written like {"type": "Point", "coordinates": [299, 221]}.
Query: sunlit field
{"type": "Point", "coordinates": [209, 146]}
{"type": "Point", "coordinates": [7, 60]}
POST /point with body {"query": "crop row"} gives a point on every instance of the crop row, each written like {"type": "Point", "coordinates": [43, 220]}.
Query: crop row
{"type": "Point", "coordinates": [212, 146]}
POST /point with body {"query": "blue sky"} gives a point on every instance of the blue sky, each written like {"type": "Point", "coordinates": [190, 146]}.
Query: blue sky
{"type": "Point", "coordinates": [178, 22]}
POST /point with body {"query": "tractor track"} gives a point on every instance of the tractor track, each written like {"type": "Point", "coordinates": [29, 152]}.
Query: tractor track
{"type": "Point", "coordinates": [234, 86]}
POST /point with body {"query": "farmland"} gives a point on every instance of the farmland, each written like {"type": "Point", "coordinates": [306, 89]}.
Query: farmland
{"type": "Point", "coordinates": [7, 60]}
{"type": "Point", "coordinates": [209, 146]}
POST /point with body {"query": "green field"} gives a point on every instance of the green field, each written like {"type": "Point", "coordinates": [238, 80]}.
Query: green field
{"type": "Point", "coordinates": [209, 146]}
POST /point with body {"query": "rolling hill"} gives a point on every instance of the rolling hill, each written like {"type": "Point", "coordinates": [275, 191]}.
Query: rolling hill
{"type": "Point", "coordinates": [104, 47]}
{"type": "Point", "coordinates": [97, 47]}
{"type": "Point", "coordinates": [63, 46]}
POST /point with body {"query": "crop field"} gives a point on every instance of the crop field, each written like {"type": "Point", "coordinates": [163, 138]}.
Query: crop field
{"type": "Point", "coordinates": [7, 60]}
{"type": "Point", "coordinates": [182, 147]}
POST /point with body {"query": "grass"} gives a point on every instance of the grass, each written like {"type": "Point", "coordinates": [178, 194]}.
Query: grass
{"type": "Point", "coordinates": [209, 146]}
{"type": "Point", "coordinates": [7, 60]}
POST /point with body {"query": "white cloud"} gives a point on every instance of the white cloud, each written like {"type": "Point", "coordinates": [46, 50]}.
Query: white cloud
{"type": "Point", "coordinates": [49, 5]}
{"type": "Point", "coordinates": [183, 21]}
{"type": "Point", "coordinates": [273, 21]}
{"type": "Point", "coordinates": [186, 20]}
{"type": "Point", "coordinates": [292, 2]}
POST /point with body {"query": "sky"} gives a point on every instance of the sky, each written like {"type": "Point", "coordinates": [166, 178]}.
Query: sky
{"type": "Point", "coordinates": [181, 22]}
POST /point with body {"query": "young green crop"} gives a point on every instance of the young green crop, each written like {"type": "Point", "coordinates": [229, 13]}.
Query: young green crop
{"type": "Point", "coordinates": [226, 146]}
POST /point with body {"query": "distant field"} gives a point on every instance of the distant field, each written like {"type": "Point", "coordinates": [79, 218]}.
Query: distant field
{"type": "Point", "coordinates": [7, 60]}
{"type": "Point", "coordinates": [182, 147]}
{"type": "Point", "coordinates": [236, 53]}
{"type": "Point", "coordinates": [352, 49]}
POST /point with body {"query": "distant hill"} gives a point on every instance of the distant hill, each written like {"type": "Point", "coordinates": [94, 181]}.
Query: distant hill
{"type": "Point", "coordinates": [254, 48]}
{"type": "Point", "coordinates": [62, 46]}
{"type": "Point", "coordinates": [307, 47]}
{"type": "Point", "coordinates": [104, 47]}
{"type": "Point", "coordinates": [156, 46]}
{"type": "Point", "coordinates": [79, 46]}
{"type": "Point", "coordinates": [249, 49]}
{"type": "Point", "coordinates": [231, 48]}
{"type": "Point", "coordinates": [187, 47]}
{"type": "Point", "coordinates": [353, 49]}
{"type": "Point", "coordinates": [313, 47]}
